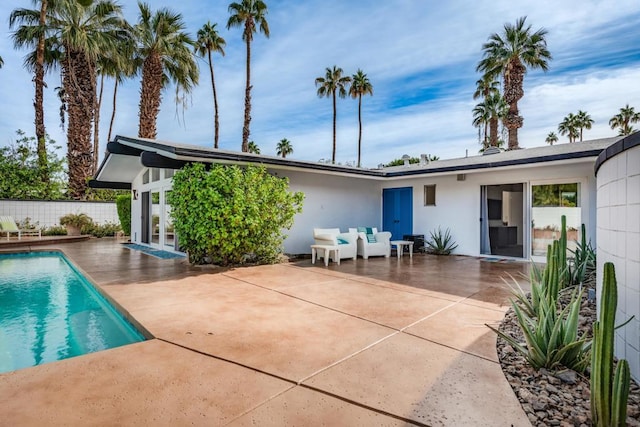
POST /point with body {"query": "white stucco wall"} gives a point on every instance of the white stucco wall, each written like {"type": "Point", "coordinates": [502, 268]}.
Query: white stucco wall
{"type": "Point", "coordinates": [618, 234]}
{"type": "Point", "coordinates": [331, 201]}
{"type": "Point", "coordinates": [458, 202]}
{"type": "Point", "coordinates": [47, 213]}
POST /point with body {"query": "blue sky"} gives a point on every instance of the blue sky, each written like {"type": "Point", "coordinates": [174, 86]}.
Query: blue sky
{"type": "Point", "coordinates": [420, 57]}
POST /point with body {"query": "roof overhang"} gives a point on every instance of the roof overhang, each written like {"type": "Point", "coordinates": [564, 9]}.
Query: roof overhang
{"type": "Point", "coordinates": [127, 157]}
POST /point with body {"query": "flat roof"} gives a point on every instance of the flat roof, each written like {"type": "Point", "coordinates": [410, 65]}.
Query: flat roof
{"type": "Point", "coordinates": [127, 156]}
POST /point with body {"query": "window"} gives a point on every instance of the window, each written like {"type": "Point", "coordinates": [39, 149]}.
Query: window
{"type": "Point", "coordinates": [430, 195]}
{"type": "Point", "coordinates": [145, 177]}
{"type": "Point", "coordinates": [168, 173]}
{"type": "Point", "coordinates": [155, 174]}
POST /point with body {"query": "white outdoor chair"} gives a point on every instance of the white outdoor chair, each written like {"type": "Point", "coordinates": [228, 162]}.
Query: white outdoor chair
{"type": "Point", "coordinates": [333, 237]}
{"type": "Point", "coordinates": [381, 246]}
{"type": "Point", "coordinates": [9, 226]}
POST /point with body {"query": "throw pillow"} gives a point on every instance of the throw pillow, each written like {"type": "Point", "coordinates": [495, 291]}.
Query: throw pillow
{"type": "Point", "coordinates": [342, 241]}
{"type": "Point", "coordinates": [368, 231]}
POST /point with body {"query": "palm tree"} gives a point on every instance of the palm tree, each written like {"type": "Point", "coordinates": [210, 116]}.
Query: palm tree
{"type": "Point", "coordinates": [584, 121]}
{"type": "Point", "coordinates": [166, 53]}
{"type": "Point", "coordinates": [210, 41]}
{"type": "Point", "coordinates": [32, 33]}
{"type": "Point", "coordinates": [252, 15]}
{"type": "Point", "coordinates": [1, 62]}
{"type": "Point", "coordinates": [569, 126]}
{"type": "Point", "coordinates": [117, 63]}
{"type": "Point", "coordinates": [498, 110]}
{"type": "Point", "coordinates": [509, 54]}
{"type": "Point", "coordinates": [128, 66]}
{"type": "Point", "coordinates": [487, 85]}
{"type": "Point", "coordinates": [360, 85]}
{"type": "Point", "coordinates": [551, 138]}
{"type": "Point", "coordinates": [82, 35]}
{"type": "Point", "coordinates": [481, 117]}
{"type": "Point", "coordinates": [333, 82]}
{"type": "Point", "coordinates": [252, 147]}
{"type": "Point", "coordinates": [624, 119]}
{"type": "Point", "coordinates": [284, 148]}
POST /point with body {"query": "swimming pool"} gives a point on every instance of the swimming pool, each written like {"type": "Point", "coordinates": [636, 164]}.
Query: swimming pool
{"type": "Point", "coordinates": [49, 312]}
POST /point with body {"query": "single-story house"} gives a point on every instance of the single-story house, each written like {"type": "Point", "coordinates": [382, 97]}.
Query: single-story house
{"type": "Point", "coordinates": [499, 203]}
{"type": "Point", "coordinates": [506, 204]}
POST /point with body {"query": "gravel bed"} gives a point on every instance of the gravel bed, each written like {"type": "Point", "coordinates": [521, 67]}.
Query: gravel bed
{"type": "Point", "coordinates": [558, 398]}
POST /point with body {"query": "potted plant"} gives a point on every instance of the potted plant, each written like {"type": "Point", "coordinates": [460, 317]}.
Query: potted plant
{"type": "Point", "coordinates": [74, 223]}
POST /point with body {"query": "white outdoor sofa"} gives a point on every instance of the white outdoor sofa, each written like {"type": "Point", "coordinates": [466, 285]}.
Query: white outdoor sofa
{"type": "Point", "coordinates": [333, 237]}
{"type": "Point", "coordinates": [381, 246]}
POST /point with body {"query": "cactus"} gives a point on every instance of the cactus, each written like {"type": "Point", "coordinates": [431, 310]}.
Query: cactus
{"type": "Point", "coordinates": [608, 400]}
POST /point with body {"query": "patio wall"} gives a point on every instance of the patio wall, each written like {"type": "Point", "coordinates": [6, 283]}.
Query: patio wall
{"type": "Point", "coordinates": [458, 202]}
{"type": "Point", "coordinates": [47, 213]}
{"type": "Point", "coordinates": [619, 242]}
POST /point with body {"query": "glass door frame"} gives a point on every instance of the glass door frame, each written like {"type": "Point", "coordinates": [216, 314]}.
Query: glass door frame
{"type": "Point", "coordinates": [581, 198]}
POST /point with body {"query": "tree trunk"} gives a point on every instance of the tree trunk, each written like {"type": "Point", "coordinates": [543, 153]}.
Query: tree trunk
{"type": "Point", "coordinates": [359, 127]}
{"type": "Point", "coordinates": [113, 112]}
{"type": "Point", "coordinates": [79, 84]}
{"type": "Point", "coordinates": [333, 153]}
{"type": "Point", "coordinates": [513, 92]}
{"type": "Point", "coordinates": [96, 128]}
{"type": "Point", "coordinates": [216, 124]}
{"type": "Point", "coordinates": [150, 95]}
{"type": "Point", "coordinates": [247, 99]}
{"type": "Point", "coordinates": [43, 163]}
{"type": "Point", "coordinates": [493, 132]}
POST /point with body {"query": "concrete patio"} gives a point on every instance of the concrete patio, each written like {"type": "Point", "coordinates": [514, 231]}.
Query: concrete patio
{"type": "Point", "coordinates": [369, 342]}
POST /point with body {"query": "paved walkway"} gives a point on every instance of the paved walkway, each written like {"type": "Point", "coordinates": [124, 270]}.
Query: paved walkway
{"type": "Point", "coordinates": [370, 342]}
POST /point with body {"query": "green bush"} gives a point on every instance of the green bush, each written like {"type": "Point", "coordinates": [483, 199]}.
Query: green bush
{"type": "Point", "coordinates": [108, 229]}
{"type": "Point", "coordinates": [123, 204]}
{"type": "Point", "coordinates": [80, 220]}
{"type": "Point", "coordinates": [231, 215]}
{"type": "Point", "coordinates": [55, 230]}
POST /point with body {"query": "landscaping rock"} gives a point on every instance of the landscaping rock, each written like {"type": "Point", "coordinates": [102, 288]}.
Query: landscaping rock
{"type": "Point", "coordinates": [560, 398]}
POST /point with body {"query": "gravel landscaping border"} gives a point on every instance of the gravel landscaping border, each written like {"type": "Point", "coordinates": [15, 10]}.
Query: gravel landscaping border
{"type": "Point", "coordinates": [560, 398]}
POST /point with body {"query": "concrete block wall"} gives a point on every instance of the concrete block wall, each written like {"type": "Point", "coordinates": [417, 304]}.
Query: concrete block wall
{"type": "Point", "coordinates": [48, 213]}
{"type": "Point", "coordinates": [618, 237]}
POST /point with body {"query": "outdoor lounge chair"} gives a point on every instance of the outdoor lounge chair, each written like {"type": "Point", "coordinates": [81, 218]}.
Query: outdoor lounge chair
{"type": "Point", "coordinates": [333, 237]}
{"type": "Point", "coordinates": [377, 244]}
{"type": "Point", "coordinates": [9, 226]}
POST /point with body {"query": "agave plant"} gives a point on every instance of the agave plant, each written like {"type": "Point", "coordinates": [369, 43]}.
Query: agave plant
{"type": "Point", "coordinates": [551, 336]}
{"type": "Point", "coordinates": [441, 243]}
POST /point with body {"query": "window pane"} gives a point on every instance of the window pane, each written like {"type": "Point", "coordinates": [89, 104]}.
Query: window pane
{"type": "Point", "coordinates": [145, 177]}
{"type": "Point", "coordinates": [550, 202]}
{"type": "Point", "coordinates": [155, 174]}
{"type": "Point", "coordinates": [429, 195]}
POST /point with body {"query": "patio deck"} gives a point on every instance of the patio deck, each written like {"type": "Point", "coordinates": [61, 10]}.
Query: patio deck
{"type": "Point", "coordinates": [369, 342]}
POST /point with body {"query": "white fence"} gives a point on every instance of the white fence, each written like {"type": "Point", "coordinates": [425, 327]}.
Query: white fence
{"type": "Point", "coordinates": [48, 213]}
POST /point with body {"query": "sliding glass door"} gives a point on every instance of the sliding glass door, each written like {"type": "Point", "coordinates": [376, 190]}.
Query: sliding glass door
{"type": "Point", "coordinates": [548, 203]}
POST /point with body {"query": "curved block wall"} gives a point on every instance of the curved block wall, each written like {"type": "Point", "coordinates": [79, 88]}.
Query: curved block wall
{"type": "Point", "coordinates": [618, 237]}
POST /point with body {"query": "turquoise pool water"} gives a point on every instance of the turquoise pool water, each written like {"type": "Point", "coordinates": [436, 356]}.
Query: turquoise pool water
{"type": "Point", "coordinates": [49, 312]}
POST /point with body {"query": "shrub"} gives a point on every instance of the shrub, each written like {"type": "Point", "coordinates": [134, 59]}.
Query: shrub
{"type": "Point", "coordinates": [583, 268]}
{"type": "Point", "coordinates": [441, 243]}
{"type": "Point", "coordinates": [123, 204]}
{"type": "Point", "coordinates": [231, 215]}
{"type": "Point", "coordinates": [104, 230]}
{"type": "Point", "coordinates": [55, 230]}
{"type": "Point", "coordinates": [76, 220]}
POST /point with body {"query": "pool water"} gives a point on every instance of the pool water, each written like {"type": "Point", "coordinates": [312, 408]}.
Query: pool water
{"type": "Point", "coordinates": [49, 312]}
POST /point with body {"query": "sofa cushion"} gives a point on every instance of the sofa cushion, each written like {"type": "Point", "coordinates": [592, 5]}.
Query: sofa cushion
{"type": "Point", "coordinates": [368, 231]}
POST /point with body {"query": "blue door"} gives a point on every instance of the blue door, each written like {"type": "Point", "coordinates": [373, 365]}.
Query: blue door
{"type": "Point", "coordinates": [397, 211]}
